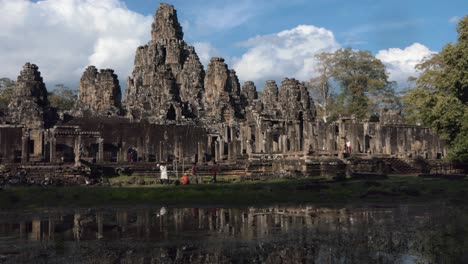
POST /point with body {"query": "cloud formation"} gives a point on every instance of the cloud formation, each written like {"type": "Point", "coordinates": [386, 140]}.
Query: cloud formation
{"type": "Point", "coordinates": [63, 37]}
{"type": "Point", "coordinates": [225, 16]}
{"type": "Point", "coordinates": [400, 63]}
{"type": "Point", "coordinates": [289, 53]}
{"type": "Point", "coordinates": [205, 52]}
{"type": "Point", "coordinates": [454, 19]}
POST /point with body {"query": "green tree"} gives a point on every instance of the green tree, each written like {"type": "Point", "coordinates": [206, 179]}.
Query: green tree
{"type": "Point", "coordinates": [362, 80]}
{"type": "Point", "coordinates": [440, 98]}
{"type": "Point", "coordinates": [359, 75]}
{"type": "Point", "coordinates": [320, 87]}
{"type": "Point", "coordinates": [63, 97]}
{"type": "Point", "coordinates": [6, 92]}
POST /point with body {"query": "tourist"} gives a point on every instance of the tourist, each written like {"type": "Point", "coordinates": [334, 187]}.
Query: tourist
{"type": "Point", "coordinates": [214, 172]}
{"type": "Point", "coordinates": [194, 173]}
{"type": "Point", "coordinates": [184, 180]}
{"type": "Point", "coordinates": [348, 146]}
{"type": "Point", "coordinates": [163, 168]}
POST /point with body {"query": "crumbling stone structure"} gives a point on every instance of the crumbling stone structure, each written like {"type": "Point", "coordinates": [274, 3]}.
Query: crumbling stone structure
{"type": "Point", "coordinates": [29, 104]}
{"type": "Point", "coordinates": [99, 93]}
{"type": "Point", "coordinates": [167, 81]}
{"type": "Point", "coordinates": [174, 110]}
{"type": "Point", "coordinates": [222, 93]}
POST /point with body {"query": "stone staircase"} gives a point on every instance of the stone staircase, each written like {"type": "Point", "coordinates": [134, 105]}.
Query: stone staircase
{"type": "Point", "coordinates": [401, 166]}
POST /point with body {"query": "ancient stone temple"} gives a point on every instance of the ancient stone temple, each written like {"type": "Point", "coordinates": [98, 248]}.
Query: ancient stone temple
{"type": "Point", "coordinates": [167, 80]}
{"type": "Point", "coordinates": [175, 111]}
{"type": "Point", "coordinates": [222, 93]}
{"type": "Point", "coordinates": [29, 104]}
{"type": "Point", "coordinates": [29, 112]}
{"type": "Point", "coordinates": [249, 93]}
{"type": "Point", "coordinates": [99, 92]}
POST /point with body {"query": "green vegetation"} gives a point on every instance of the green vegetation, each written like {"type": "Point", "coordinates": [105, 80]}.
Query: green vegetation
{"type": "Point", "coordinates": [6, 92]}
{"type": "Point", "coordinates": [63, 97]}
{"type": "Point", "coordinates": [440, 98]}
{"type": "Point", "coordinates": [361, 79]}
{"type": "Point", "coordinates": [242, 194]}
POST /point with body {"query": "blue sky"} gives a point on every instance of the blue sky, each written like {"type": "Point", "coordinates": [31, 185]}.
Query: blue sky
{"type": "Point", "coordinates": [260, 39]}
{"type": "Point", "coordinates": [362, 24]}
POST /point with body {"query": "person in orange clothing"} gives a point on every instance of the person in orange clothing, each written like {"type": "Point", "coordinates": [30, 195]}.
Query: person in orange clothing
{"type": "Point", "coordinates": [184, 180]}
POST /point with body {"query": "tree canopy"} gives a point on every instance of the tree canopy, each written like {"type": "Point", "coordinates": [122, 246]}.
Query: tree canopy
{"type": "Point", "coordinates": [6, 92]}
{"type": "Point", "coordinates": [440, 98]}
{"type": "Point", "coordinates": [62, 97]}
{"type": "Point", "coordinates": [362, 80]}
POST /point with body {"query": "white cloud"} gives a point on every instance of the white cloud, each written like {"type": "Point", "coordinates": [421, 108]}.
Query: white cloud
{"type": "Point", "coordinates": [205, 52]}
{"type": "Point", "coordinates": [454, 19]}
{"type": "Point", "coordinates": [289, 53]}
{"type": "Point", "coordinates": [224, 17]}
{"type": "Point", "coordinates": [63, 37]}
{"type": "Point", "coordinates": [400, 63]}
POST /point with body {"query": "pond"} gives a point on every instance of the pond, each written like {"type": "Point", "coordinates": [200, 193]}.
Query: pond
{"type": "Point", "coordinates": [409, 233]}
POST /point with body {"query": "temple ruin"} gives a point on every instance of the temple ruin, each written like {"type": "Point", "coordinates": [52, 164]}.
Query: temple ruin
{"type": "Point", "coordinates": [175, 110]}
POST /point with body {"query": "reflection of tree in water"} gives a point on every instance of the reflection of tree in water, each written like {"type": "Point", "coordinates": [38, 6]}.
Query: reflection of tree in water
{"type": "Point", "coordinates": [444, 238]}
{"type": "Point", "coordinates": [262, 235]}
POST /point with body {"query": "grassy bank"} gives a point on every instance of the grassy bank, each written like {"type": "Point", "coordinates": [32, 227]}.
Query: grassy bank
{"type": "Point", "coordinates": [394, 189]}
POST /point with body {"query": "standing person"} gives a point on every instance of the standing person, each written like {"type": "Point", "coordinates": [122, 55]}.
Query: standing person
{"type": "Point", "coordinates": [214, 172]}
{"type": "Point", "coordinates": [194, 173]}
{"type": "Point", "coordinates": [164, 179]}
{"type": "Point", "coordinates": [348, 146]}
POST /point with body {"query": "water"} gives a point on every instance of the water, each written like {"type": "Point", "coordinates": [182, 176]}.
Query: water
{"type": "Point", "coordinates": [433, 233]}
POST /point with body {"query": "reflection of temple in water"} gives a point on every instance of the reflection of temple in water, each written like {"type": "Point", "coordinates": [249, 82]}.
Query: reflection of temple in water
{"type": "Point", "coordinates": [150, 224]}
{"type": "Point", "coordinates": [317, 233]}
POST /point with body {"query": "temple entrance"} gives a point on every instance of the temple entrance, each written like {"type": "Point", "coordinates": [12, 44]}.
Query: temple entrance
{"type": "Point", "coordinates": [301, 131]}
{"type": "Point", "coordinates": [132, 154]}
{"type": "Point", "coordinates": [171, 113]}
{"type": "Point", "coordinates": [367, 140]}
{"type": "Point", "coordinates": [65, 153]}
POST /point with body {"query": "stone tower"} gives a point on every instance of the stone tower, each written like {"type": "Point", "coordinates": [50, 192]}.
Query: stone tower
{"type": "Point", "coordinates": [270, 98]}
{"type": "Point", "coordinates": [29, 104]}
{"type": "Point", "coordinates": [294, 101]}
{"type": "Point", "coordinates": [249, 93]}
{"type": "Point", "coordinates": [167, 80]}
{"type": "Point", "coordinates": [99, 92]}
{"type": "Point", "coordinates": [221, 99]}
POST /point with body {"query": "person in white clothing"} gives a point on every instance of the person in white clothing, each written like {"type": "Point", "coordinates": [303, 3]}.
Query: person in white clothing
{"type": "Point", "coordinates": [163, 168]}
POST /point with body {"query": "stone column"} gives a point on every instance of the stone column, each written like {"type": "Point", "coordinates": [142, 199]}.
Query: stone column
{"type": "Point", "coordinates": [53, 148]}
{"type": "Point", "coordinates": [100, 157]}
{"type": "Point", "coordinates": [233, 134]}
{"type": "Point", "coordinates": [201, 153]}
{"type": "Point", "coordinates": [147, 149]}
{"type": "Point", "coordinates": [258, 139]}
{"type": "Point", "coordinates": [221, 148]}
{"type": "Point", "coordinates": [25, 147]}
{"type": "Point", "coordinates": [36, 230]}
{"type": "Point", "coordinates": [232, 150]}
{"type": "Point", "coordinates": [388, 135]}
{"type": "Point", "coordinates": [100, 224]}
{"type": "Point", "coordinates": [292, 135]}
{"type": "Point", "coordinates": [217, 151]}
{"type": "Point", "coordinates": [77, 150]}
{"type": "Point", "coordinates": [268, 141]}
{"type": "Point", "coordinates": [160, 151]}
{"type": "Point", "coordinates": [249, 147]}
{"type": "Point", "coordinates": [285, 143]}
{"type": "Point", "coordinates": [298, 133]}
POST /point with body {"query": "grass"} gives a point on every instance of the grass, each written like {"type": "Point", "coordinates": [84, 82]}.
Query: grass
{"type": "Point", "coordinates": [394, 189]}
